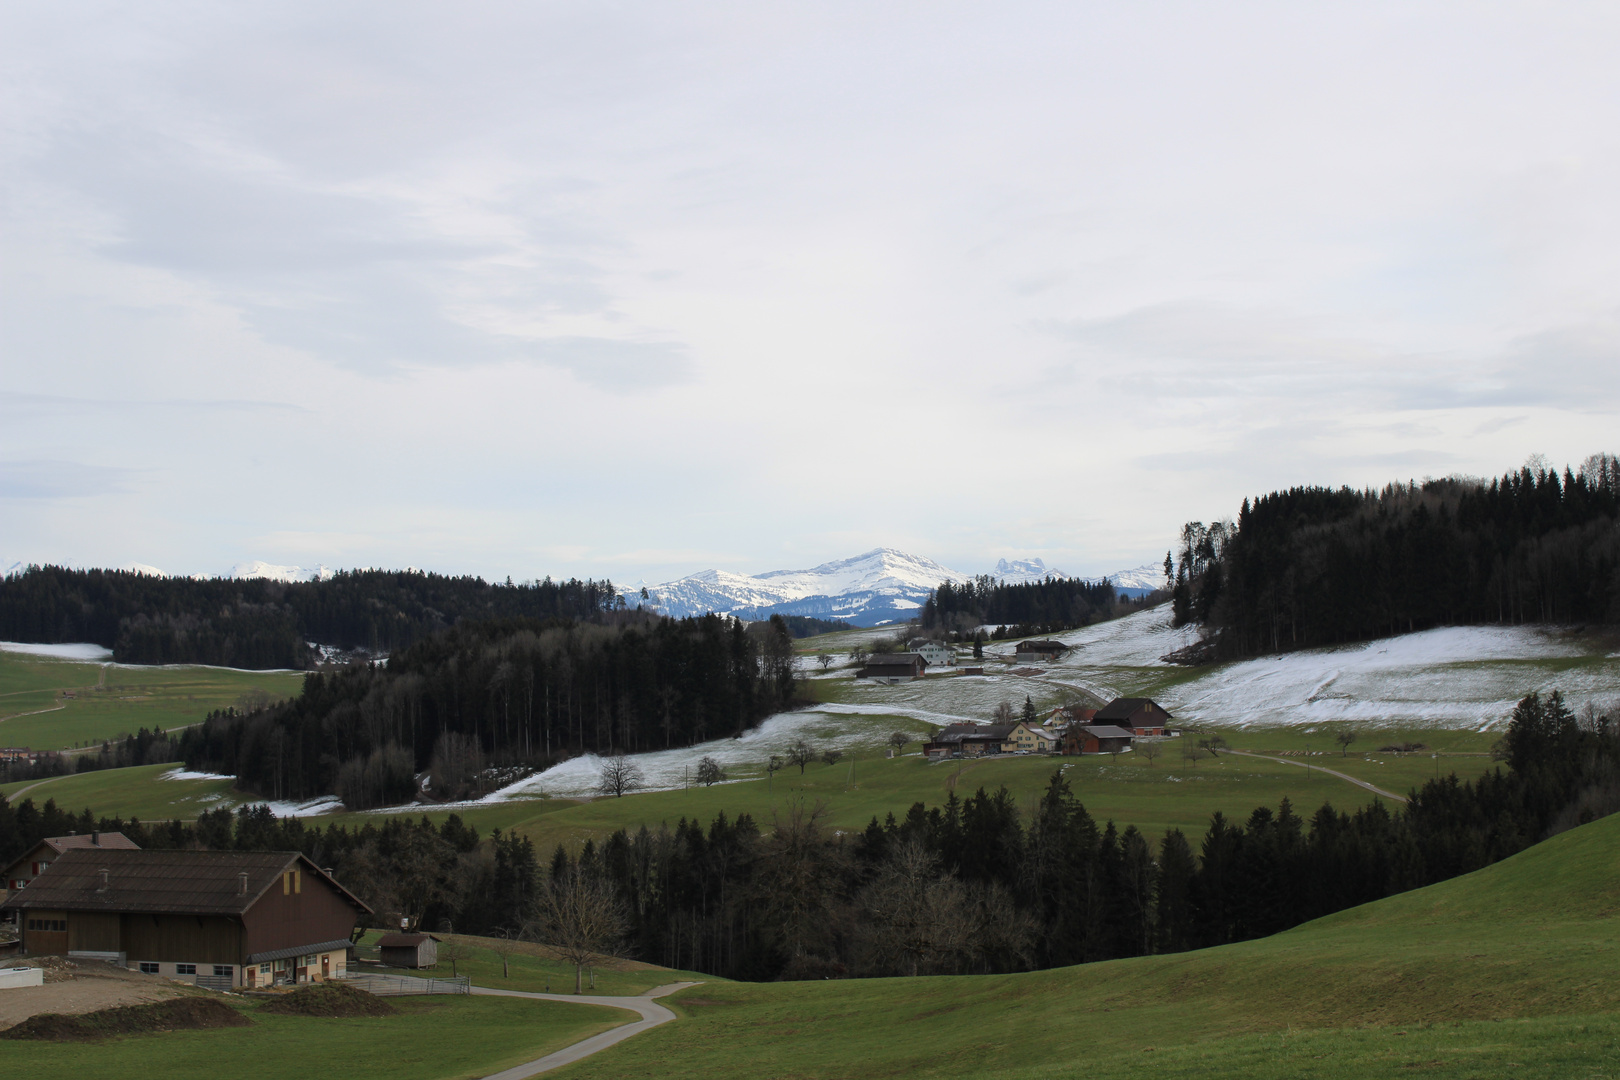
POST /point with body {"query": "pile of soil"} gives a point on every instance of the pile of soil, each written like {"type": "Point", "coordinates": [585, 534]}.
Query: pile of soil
{"type": "Point", "coordinates": [329, 999]}
{"type": "Point", "coordinates": [178, 1014]}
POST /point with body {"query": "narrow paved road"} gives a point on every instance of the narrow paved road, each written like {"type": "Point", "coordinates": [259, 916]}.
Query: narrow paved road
{"type": "Point", "coordinates": [652, 1014]}
{"type": "Point", "coordinates": [1318, 768]}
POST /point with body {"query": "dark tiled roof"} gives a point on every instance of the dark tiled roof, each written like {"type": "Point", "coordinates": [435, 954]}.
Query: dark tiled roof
{"type": "Point", "coordinates": [1122, 708]}
{"type": "Point", "coordinates": [299, 950]}
{"type": "Point", "coordinates": [909, 659]}
{"type": "Point", "coordinates": [176, 882]}
{"type": "Point", "coordinates": [958, 732]}
{"type": "Point", "coordinates": [1042, 646]}
{"type": "Point", "coordinates": [107, 841]}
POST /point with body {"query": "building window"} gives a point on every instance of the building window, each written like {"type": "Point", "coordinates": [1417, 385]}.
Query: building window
{"type": "Point", "coordinates": [148, 968]}
{"type": "Point", "coordinates": [185, 969]}
{"type": "Point", "coordinates": [57, 926]}
{"type": "Point", "coordinates": [222, 969]}
{"type": "Point", "coordinates": [281, 965]}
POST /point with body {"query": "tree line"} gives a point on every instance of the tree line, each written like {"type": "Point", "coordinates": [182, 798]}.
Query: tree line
{"type": "Point", "coordinates": [1317, 566]}
{"type": "Point", "coordinates": [484, 702]}
{"type": "Point", "coordinates": [259, 623]}
{"type": "Point", "coordinates": [1052, 604]}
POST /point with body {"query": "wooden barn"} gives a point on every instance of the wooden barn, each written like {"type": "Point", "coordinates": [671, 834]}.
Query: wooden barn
{"type": "Point", "coordinates": [1027, 652]}
{"type": "Point", "coordinates": [218, 918]}
{"type": "Point", "coordinates": [33, 862]}
{"type": "Point", "coordinates": [409, 950]}
{"type": "Point", "coordinates": [1144, 717]}
{"type": "Point", "coordinates": [893, 667]}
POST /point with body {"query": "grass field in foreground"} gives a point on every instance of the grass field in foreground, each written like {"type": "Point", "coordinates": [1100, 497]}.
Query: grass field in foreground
{"type": "Point", "coordinates": [433, 1038]}
{"type": "Point", "coordinates": [140, 792]}
{"type": "Point", "coordinates": [1504, 972]}
{"type": "Point", "coordinates": [57, 704]}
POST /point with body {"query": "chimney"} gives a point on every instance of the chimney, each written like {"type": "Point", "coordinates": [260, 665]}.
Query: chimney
{"type": "Point", "coordinates": [102, 876]}
{"type": "Point", "coordinates": [241, 883]}
{"type": "Point", "coordinates": [95, 838]}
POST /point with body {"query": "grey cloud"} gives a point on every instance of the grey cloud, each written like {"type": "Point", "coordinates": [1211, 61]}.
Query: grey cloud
{"type": "Point", "coordinates": [60, 479]}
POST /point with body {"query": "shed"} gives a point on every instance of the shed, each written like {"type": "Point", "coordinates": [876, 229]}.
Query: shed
{"type": "Point", "coordinates": [1029, 651]}
{"type": "Point", "coordinates": [1096, 739]}
{"type": "Point", "coordinates": [893, 667]}
{"type": "Point", "coordinates": [409, 950]}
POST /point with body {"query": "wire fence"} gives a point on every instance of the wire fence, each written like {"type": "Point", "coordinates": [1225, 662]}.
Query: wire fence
{"type": "Point", "coordinates": [400, 985]}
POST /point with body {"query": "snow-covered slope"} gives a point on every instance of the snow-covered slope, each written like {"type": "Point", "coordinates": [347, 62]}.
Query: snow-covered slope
{"type": "Point", "coordinates": [260, 569]}
{"type": "Point", "coordinates": [879, 586]}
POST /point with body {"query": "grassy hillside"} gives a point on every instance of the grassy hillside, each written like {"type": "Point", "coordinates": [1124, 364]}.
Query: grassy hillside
{"type": "Point", "coordinates": [1508, 971]}
{"type": "Point", "coordinates": [142, 791]}
{"type": "Point", "coordinates": [56, 704]}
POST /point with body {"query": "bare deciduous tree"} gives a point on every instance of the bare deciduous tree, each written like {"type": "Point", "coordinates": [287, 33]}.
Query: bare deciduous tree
{"type": "Point", "coordinates": [709, 772]}
{"type": "Point", "coordinates": [1344, 739]}
{"type": "Point", "coordinates": [581, 917]}
{"type": "Point", "coordinates": [1005, 713]}
{"type": "Point", "coordinates": [619, 775]}
{"type": "Point", "coordinates": [831, 756]}
{"type": "Point", "coordinates": [503, 943]}
{"type": "Point", "coordinates": [801, 754]}
{"type": "Point", "coordinates": [899, 740]}
{"type": "Point", "coordinates": [825, 660]}
{"type": "Point", "coordinates": [1148, 749]}
{"type": "Point", "coordinates": [1214, 744]}
{"type": "Point", "coordinates": [454, 951]}
{"type": "Point", "coordinates": [918, 918]}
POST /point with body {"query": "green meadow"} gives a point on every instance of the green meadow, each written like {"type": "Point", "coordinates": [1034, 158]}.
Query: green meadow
{"type": "Point", "coordinates": [432, 1038]}
{"type": "Point", "coordinates": [50, 704]}
{"type": "Point", "coordinates": [1505, 972]}
{"type": "Point", "coordinates": [140, 792]}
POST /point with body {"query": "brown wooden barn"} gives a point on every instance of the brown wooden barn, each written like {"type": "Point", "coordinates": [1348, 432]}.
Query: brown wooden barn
{"type": "Point", "coordinates": [409, 950]}
{"type": "Point", "coordinates": [1096, 739]}
{"type": "Point", "coordinates": [893, 667]}
{"type": "Point", "coordinates": [1143, 716]}
{"type": "Point", "coordinates": [221, 918]}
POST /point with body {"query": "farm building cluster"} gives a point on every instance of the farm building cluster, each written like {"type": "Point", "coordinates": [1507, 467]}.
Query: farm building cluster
{"type": "Point", "coordinates": [924, 653]}
{"type": "Point", "coordinates": [1068, 729]}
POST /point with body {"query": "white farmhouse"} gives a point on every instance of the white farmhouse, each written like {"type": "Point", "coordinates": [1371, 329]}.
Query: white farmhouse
{"type": "Point", "coordinates": [936, 653]}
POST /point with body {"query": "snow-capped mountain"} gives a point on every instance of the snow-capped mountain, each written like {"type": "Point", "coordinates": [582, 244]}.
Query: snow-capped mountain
{"type": "Point", "coordinates": [260, 569]}
{"type": "Point", "coordinates": [1143, 579]}
{"type": "Point", "coordinates": [883, 585]}
{"type": "Point", "coordinates": [1022, 571]}
{"type": "Point", "coordinates": [143, 569]}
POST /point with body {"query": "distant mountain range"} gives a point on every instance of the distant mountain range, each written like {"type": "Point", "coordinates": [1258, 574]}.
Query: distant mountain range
{"type": "Point", "coordinates": [260, 569]}
{"type": "Point", "coordinates": [881, 586]}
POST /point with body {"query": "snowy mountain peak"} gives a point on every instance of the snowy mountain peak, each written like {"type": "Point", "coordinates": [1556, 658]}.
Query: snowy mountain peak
{"type": "Point", "coordinates": [1019, 571]}
{"type": "Point", "coordinates": [1148, 576]}
{"type": "Point", "coordinates": [143, 569]}
{"type": "Point", "coordinates": [260, 569]}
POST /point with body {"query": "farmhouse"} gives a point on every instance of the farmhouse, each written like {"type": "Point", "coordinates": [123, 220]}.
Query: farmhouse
{"type": "Point", "coordinates": [409, 950]}
{"type": "Point", "coordinates": [1029, 739]}
{"type": "Point", "coordinates": [893, 667]}
{"type": "Point", "coordinates": [968, 741]}
{"type": "Point", "coordinates": [1144, 717]}
{"type": "Point", "coordinates": [1064, 715]}
{"type": "Point", "coordinates": [220, 918]}
{"type": "Point", "coordinates": [1030, 651]}
{"type": "Point", "coordinates": [34, 861]}
{"type": "Point", "coordinates": [1096, 739]}
{"type": "Point", "coordinates": [936, 653]}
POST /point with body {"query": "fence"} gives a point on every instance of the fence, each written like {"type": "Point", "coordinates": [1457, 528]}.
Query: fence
{"type": "Point", "coordinates": [399, 985]}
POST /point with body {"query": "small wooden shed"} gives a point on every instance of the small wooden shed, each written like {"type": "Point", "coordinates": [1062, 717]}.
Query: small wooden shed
{"type": "Point", "coordinates": [409, 950]}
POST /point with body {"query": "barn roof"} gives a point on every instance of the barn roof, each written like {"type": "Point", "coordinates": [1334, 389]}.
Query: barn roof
{"type": "Point", "coordinates": [1126, 707]}
{"type": "Point", "coordinates": [1042, 645]}
{"type": "Point", "coordinates": [1108, 731]}
{"type": "Point", "coordinates": [105, 841]}
{"type": "Point", "coordinates": [908, 659]}
{"type": "Point", "coordinates": [403, 941]}
{"type": "Point", "coordinates": [164, 882]}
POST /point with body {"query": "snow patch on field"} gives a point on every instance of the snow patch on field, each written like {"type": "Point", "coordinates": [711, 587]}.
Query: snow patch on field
{"type": "Point", "coordinates": [187, 774]}
{"type": "Point", "coordinates": [67, 651]}
{"type": "Point", "coordinates": [1460, 676]}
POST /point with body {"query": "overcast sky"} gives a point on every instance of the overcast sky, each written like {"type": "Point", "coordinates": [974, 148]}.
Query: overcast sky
{"type": "Point", "coordinates": [639, 289]}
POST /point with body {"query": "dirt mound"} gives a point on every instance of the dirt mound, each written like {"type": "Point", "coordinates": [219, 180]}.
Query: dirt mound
{"type": "Point", "coordinates": [330, 999]}
{"type": "Point", "coordinates": [179, 1014]}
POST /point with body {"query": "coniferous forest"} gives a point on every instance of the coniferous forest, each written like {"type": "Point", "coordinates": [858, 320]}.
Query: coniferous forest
{"type": "Point", "coordinates": [1050, 605]}
{"type": "Point", "coordinates": [497, 694]}
{"type": "Point", "coordinates": [1321, 566]}
{"type": "Point", "coordinates": [258, 623]}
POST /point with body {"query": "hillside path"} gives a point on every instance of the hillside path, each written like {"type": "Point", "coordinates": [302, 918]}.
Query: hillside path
{"type": "Point", "coordinates": [1318, 768]}
{"type": "Point", "coordinates": [652, 1014]}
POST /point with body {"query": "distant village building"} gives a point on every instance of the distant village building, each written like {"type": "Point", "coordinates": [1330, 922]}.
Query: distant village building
{"type": "Point", "coordinates": [893, 667]}
{"type": "Point", "coordinates": [219, 918]}
{"type": "Point", "coordinates": [409, 950]}
{"type": "Point", "coordinates": [1096, 739]}
{"type": "Point", "coordinates": [1029, 739]}
{"type": "Point", "coordinates": [936, 653]}
{"type": "Point", "coordinates": [1030, 651]}
{"type": "Point", "coordinates": [968, 741]}
{"type": "Point", "coordinates": [1145, 718]}
{"type": "Point", "coordinates": [1064, 715]}
{"type": "Point", "coordinates": [33, 862]}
